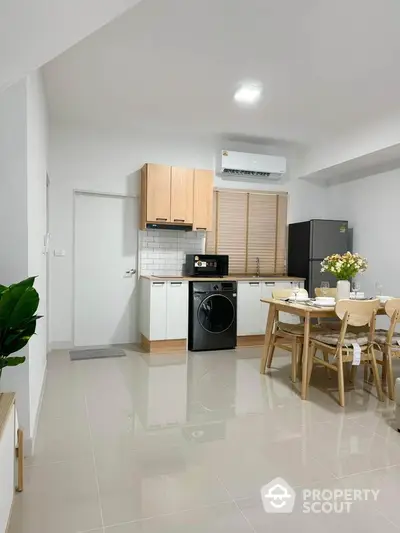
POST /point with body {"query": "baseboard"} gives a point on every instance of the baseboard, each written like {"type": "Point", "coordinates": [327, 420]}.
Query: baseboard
{"type": "Point", "coordinates": [61, 345]}
{"type": "Point", "coordinates": [167, 346]}
{"type": "Point", "coordinates": [250, 340]}
{"type": "Point", "coordinates": [35, 427]}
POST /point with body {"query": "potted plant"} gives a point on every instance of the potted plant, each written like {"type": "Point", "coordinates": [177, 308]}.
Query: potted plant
{"type": "Point", "coordinates": [344, 267]}
{"type": "Point", "coordinates": [18, 306]}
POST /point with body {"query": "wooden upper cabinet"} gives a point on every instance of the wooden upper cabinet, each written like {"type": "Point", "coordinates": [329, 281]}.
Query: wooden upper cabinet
{"type": "Point", "coordinates": [156, 193]}
{"type": "Point", "coordinates": [182, 180]}
{"type": "Point", "coordinates": [203, 200]}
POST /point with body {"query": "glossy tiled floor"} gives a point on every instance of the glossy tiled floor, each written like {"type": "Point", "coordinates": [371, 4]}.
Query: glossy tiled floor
{"type": "Point", "coordinates": [183, 443]}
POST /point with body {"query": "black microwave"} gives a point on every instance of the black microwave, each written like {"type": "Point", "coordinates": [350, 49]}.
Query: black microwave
{"type": "Point", "coordinates": [207, 265]}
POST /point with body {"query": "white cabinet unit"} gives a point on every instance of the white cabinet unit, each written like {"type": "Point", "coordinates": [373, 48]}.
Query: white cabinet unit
{"type": "Point", "coordinates": [251, 313]}
{"type": "Point", "coordinates": [164, 309]}
{"type": "Point", "coordinates": [249, 308]}
{"type": "Point", "coordinates": [158, 310]}
{"type": "Point", "coordinates": [177, 309]}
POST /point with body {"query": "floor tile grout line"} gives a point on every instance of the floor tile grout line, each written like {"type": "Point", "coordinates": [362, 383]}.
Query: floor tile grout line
{"type": "Point", "coordinates": [236, 505]}
{"type": "Point", "coordinates": [189, 510]}
{"type": "Point", "coordinates": [369, 471]}
{"type": "Point", "coordinates": [94, 463]}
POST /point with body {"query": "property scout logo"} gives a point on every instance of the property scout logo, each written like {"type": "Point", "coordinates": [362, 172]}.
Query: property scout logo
{"type": "Point", "coordinates": [279, 497]}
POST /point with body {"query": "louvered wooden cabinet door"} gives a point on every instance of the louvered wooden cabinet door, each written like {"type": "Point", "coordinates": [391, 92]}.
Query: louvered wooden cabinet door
{"type": "Point", "coordinates": [231, 231]}
{"type": "Point", "coordinates": [261, 233]}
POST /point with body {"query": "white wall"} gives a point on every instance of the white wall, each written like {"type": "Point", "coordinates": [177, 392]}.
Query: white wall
{"type": "Point", "coordinates": [109, 162]}
{"type": "Point", "coordinates": [23, 155]}
{"type": "Point", "coordinates": [37, 137]}
{"type": "Point", "coordinates": [13, 220]}
{"type": "Point", "coordinates": [371, 207]}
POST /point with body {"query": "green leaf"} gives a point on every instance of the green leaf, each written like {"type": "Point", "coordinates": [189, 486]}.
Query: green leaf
{"type": "Point", "coordinates": [11, 361]}
{"type": "Point", "coordinates": [17, 339]}
{"type": "Point", "coordinates": [28, 282]}
{"type": "Point", "coordinates": [2, 289]}
{"type": "Point", "coordinates": [24, 307]}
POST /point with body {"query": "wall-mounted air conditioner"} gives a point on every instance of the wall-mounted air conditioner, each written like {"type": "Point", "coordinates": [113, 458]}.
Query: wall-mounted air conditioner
{"type": "Point", "coordinates": [240, 164]}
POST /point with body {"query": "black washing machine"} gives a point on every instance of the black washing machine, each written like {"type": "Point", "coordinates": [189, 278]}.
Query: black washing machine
{"type": "Point", "coordinates": [212, 315]}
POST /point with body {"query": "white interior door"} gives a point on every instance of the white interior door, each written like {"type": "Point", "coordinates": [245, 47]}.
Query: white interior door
{"type": "Point", "coordinates": [106, 289]}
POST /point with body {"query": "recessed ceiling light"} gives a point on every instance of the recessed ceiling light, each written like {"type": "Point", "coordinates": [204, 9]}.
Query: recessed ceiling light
{"type": "Point", "coordinates": [249, 93]}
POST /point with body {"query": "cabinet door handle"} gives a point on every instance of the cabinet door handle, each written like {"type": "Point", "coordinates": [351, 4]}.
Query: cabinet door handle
{"type": "Point", "coordinates": [270, 284]}
{"type": "Point", "coordinates": [164, 219]}
{"type": "Point", "coordinates": [202, 229]}
{"type": "Point", "coordinates": [254, 283]}
{"type": "Point", "coordinates": [179, 220]}
{"type": "Point", "coordinates": [158, 283]}
{"type": "Point", "coordinates": [176, 283]}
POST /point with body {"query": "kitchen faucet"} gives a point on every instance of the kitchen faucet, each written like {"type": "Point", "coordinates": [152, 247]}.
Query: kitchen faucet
{"type": "Point", "coordinates": [257, 267]}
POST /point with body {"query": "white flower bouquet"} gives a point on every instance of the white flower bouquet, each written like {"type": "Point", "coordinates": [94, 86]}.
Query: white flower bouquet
{"type": "Point", "coordinates": [344, 266]}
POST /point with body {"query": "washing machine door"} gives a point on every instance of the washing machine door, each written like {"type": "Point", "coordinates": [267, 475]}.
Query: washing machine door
{"type": "Point", "coordinates": [216, 313]}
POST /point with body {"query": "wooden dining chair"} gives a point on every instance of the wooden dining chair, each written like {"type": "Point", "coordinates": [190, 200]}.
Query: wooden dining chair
{"type": "Point", "coordinates": [326, 292]}
{"type": "Point", "coordinates": [339, 344]}
{"type": "Point", "coordinates": [389, 344]}
{"type": "Point", "coordinates": [287, 336]}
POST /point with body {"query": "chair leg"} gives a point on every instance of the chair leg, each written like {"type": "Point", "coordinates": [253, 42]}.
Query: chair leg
{"type": "Point", "coordinates": [326, 359]}
{"type": "Point", "coordinates": [294, 361]}
{"type": "Point", "coordinates": [353, 373]}
{"type": "Point", "coordinates": [384, 367]}
{"type": "Point", "coordinates": [299, 358]}
{"type": "Point", "coordinates": [390, 377]}
{"type": "Point", "coordinates": [311, 356]}
{"type": "Point", "coordinates": [271, 351]}
{"type": "Point", "coordinates": [340, 378]}
{"type": "Point", "coordinates": [375, 371]}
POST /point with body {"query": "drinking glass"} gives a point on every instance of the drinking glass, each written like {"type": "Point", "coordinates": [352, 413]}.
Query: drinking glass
{"type": "Point", "coordinates": [296, 289]}
{"type": "Point", "coordinates": [324, 288]}
{"type": "Point", "coordinates": [379, 288]}
{"type": "Point", "coordinates": [356, 288]}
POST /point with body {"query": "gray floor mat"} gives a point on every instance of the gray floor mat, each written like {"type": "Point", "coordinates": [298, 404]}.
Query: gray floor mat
{"type": "Point", "coordinates": [96, 353]}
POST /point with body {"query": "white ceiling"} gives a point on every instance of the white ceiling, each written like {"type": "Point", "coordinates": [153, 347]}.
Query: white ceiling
{"type": "Point", "coordinates": [173, 65]}
{"type": "Point", "coordinates": [34, 31]}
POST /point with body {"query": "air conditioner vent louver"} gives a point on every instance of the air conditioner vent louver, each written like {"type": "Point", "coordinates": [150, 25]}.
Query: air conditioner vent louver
{"type": "Point", "coordinates": [236, 172]}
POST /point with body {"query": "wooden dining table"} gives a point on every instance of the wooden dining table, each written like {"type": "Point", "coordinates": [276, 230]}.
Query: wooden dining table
{"type": "Point", "coordinates": [304, 310]}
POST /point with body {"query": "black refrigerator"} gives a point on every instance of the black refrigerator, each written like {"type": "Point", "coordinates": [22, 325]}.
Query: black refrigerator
{"type": "Point", "coordinates": [309, 242]}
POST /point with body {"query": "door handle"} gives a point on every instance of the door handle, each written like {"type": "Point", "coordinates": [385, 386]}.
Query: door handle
{"type": "Point", "coordinates": [164, 219]}
{"type": "Point", "coordinates": [201, 229]}
{"type": "Point", "coordinates": [179, 220]}
{"type": "Point", "coordinates": [131, 271]}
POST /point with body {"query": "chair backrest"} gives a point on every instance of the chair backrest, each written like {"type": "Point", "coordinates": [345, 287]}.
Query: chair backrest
{"type": "Point", "coordinates": [358, 312]}
{"type": "Point", "coordinates": [327, 292]}
{"type": "Point", "coordinates": [278, 294]}
{"type": "Point", "coordinates": [391, 306]}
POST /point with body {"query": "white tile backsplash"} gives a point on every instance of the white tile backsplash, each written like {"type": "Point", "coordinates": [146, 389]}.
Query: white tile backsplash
{"type": "Point", "coordinates": [162, 252]}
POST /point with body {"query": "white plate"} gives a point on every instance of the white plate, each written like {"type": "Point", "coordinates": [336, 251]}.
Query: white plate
{"type": "Point", "coordinates": [325, 304]}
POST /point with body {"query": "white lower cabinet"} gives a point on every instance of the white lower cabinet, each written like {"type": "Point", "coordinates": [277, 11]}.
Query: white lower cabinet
{"type": "Point", "coordinates": [249, 307]}
{"type": "Point", "coordinates": [251, 313]}
{"type": "Point", "coordinates": [164, 310]}
{"type": "Point", "coordinates": [177, 309]}
{"type": "Point", "coordinates": [158, 311]}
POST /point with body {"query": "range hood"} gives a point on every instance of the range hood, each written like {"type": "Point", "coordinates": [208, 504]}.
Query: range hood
{"type": "Point", "coordinates": [179, 227]}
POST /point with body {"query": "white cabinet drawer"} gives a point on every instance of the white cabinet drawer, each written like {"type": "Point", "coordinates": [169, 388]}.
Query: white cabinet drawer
{"type": "Point", "coordinates": [177, 309]}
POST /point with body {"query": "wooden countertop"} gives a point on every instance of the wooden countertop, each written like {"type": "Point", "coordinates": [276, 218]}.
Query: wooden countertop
{"type": "Point", "coordinates": [6, 402]}
{"type": "Point", "coordinates": [225, 278]}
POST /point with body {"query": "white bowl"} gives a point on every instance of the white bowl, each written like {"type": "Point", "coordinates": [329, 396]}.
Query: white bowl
{"type": "Point", "coordinates": [325, 299]}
